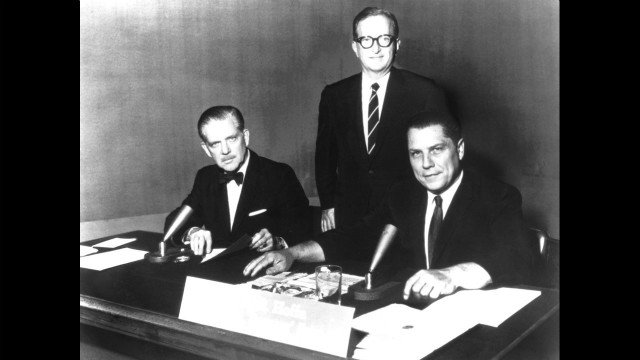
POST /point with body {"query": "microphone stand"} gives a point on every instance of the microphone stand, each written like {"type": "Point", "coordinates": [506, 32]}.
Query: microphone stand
{"type": "Point", "coordinates": [165, 254]}
{"type": "Point", "coordinates": [365, 290]}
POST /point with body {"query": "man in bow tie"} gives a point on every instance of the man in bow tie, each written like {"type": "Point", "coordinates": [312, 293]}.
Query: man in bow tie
{"type": "Point", "coordinates": [242, 193]}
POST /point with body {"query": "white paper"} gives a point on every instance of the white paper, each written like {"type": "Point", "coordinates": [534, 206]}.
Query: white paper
{"type": "Point", "coordinates": [500, 304]}
{"type": "Point", "coordinates": [401, 332]}
{"type": "Point", "coordinates": [309, 324]}
{"type": "Point", "coordinates": [86, 250]}
{"type": "Point", "coordinates": [387, 319]}
{"type": "Point", "coordinates": [111, 258]}
{"type": "Point", "coordinates": [114, 243]}
{"type": "Point", "coordinates": [214, 252]}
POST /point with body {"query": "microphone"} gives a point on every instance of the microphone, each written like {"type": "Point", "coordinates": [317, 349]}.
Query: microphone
{"type": "Point", "coordinates": [163, 254]}
{"type": "Point", "coordinates": [182, 217]}
{"type": "Point", "coordinates": [366, 291]}
{"type": "Point", "coordinates": [386, 238]}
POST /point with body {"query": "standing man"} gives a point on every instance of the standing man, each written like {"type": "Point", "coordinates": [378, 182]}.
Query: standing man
{"type": "Point", "coordinates": [361, 144]}
{"type": "Point", "coordinates": [456, 228]}
{"type": "Point", "coordinates": [242, 193]}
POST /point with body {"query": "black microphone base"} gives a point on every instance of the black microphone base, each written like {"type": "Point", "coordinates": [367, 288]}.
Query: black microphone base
{"type": "Point", "coordinates": [170, 255]}
{"type": "Point", "coordinates": [382, 291]}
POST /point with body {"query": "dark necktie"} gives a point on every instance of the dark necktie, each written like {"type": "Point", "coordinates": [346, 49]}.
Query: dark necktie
{"type": "Point", "coordinates": [434, 228]}
{"type": "Point", "coordinates": [374, 117]}
{"type": "Point", "coordinates": [226, 177]}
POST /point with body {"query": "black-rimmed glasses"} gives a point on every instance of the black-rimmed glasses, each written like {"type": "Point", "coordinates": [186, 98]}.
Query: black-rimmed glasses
{"type": "Point", "coordinates": [382, 40]}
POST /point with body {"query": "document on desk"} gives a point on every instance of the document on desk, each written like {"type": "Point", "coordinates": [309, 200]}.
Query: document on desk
{"type": "Point", "coordinates": [111, 258]}
{"type": "Point", "coordinates": [114, 243]}
{"type": "Point", "coordinates": [237, 245]}
{"type": "Point", "coordinates": [408, 333]}
{"type": "Point", "coordinates": [309, 324]}
{"type": "Point", "coordinates": [86, 250]}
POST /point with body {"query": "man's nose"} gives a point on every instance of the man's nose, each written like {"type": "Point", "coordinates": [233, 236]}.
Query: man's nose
{"type": "Point", "coordinates": [225, 147]}
{"type": "Point", "coordinates": [427, 162]}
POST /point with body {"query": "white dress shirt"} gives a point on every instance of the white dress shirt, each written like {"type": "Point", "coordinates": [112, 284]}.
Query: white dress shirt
{"type": "Point", "coordinates": [366, 94]}
{"type": "Point", "coordinates": [446, 196]}
{"type": "Point", "coordinates": [234, 190]}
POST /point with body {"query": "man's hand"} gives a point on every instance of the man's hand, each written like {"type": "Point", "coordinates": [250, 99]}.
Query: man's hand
{"type": "Point", "coordinates": [280, 261]}
{"type": "Point", "coordinates": [262, 241]}
{"type": "Point", "coordinates": [199, 240]}
{"type": "Point", "coordinates": [429, 283]}
{"type": "Point", "coordinates": [328, 221]}
{"type": "Point", "coordinates": [433, 283]}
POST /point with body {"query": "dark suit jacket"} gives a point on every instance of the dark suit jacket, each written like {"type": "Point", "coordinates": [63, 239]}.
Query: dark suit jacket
{"type": "Point", "coordinates": [483, 224]}
{"type": "Point", "coordinates": [347, 178]}
{"type": "Point", "coordinates": [268, 185]}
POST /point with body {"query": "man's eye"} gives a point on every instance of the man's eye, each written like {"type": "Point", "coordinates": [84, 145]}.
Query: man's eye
{"type": "Point", "coordinates": [233, 139]}
{"type": "Point", "coordinates": [215, 145]}
{"type": "Point", "coordinates": [414, 154]}
{"type": "Point", "coordinates": [437, 149]}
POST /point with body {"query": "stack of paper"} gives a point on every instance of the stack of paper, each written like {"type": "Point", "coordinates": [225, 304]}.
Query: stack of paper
{"type": "Point", "coordinates": [401, 332]}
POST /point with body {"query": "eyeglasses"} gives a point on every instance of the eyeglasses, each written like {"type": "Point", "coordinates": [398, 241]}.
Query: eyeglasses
{"type": "Point", "coordinates": [382, 40]}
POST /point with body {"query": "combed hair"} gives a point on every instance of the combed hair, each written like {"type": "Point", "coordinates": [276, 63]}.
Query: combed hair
{"type": "Point", "coordinates": [450, 125]}
{"type": "Point", "coordinates": [374, 11]}
{"type": "Point", "coordinates": [221, 112]}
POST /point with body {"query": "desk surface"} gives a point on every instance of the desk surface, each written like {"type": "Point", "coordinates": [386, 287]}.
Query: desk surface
{"type": "Point", "coordinates": [142, 300]}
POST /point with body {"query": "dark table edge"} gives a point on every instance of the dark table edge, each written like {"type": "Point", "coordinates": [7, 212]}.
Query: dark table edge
{"type": "Point", "coordinates": [202, 340]}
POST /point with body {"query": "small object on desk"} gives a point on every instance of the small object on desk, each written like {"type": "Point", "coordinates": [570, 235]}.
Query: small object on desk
{"type": "Point", "coordinates": [164, 254]}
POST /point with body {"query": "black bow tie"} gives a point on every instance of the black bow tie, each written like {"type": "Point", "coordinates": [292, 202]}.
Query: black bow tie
{"type": "Point", "coordinates": [225, 178]}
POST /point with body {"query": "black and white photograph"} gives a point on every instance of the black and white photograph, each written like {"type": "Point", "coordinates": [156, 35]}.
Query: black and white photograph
{"type": "Point", "coordinates": [320, 179]}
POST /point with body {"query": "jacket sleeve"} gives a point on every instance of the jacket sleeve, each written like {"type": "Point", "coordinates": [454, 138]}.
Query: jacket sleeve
{"type": "Point", "coordinates": [326, 157]}
{"type": "Point", "coordinates": [293, 211]}
{"type": "Point", "coordinates": [509, 258]}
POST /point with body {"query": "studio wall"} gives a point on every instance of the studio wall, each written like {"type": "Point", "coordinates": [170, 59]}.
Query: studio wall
{"type": "Point", "coordinates": [148, 69]}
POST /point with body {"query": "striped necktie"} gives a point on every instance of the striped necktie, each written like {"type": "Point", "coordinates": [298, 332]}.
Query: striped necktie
{"type": "Point", "coordinates": [374, 117]}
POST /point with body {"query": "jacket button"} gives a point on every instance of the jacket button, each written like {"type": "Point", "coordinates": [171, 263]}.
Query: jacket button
{"type": "Point", "coordinates": [370, 171]}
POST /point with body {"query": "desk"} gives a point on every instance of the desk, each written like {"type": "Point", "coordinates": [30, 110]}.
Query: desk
{"type": "Point", "coordinates": [142, 301]}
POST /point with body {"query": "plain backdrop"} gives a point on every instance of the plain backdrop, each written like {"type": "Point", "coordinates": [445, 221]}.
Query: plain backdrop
{"type": "Point", "coordinates": [148, 69]}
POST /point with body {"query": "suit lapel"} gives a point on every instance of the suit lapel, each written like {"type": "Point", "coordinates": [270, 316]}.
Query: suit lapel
{"type": "Point", "coordinates": [353, 108]}
{"type": "Point", "coordinates": [417, 209]}
{"type": "Point", "coordinates": [249, 191]}
{"type": "Point", "coordinates": [459, 205]}
{"type": "Point", "coordinates": [393, 104]}
{"type": "Point", "coordinates": [220, 201]}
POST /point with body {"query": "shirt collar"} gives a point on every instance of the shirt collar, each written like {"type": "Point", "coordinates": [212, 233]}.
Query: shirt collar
{"type": "Point", "coordinates": [447, 195]}
{"type": "Point", "coordinates": [243, 168]}
{"type": "Point", "coordinates": [367, 82]}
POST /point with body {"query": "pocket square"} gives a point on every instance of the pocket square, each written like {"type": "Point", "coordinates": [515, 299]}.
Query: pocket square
{"type": "Point", "coordinates": [257, 212]}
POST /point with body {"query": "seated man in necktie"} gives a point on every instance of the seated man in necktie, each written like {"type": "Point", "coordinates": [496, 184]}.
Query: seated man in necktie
{"type": "Point", "coordinates": [456, 228]}
{"type": "Point", "coordinates": [242, 193]}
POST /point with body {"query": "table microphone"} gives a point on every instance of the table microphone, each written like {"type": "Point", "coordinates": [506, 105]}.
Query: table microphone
{"type": "Point", "coordinates": [366, 291]}
{"type": "Point", "coordinates": [163, 254]}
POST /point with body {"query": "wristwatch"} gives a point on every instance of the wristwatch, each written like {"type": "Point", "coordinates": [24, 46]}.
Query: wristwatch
{"type": "Point", "coordinates": [279, 243]}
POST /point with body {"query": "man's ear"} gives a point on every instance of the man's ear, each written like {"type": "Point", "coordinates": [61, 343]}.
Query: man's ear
{"type": "Point", "coordinates": [206, 149]}
{"type": "Point", "coordinates": [246, 134]}
{"type": "Point", "coordinates": [354, 47]}
{"type": "Point", "coordinates": [460, 149]}
{"type": "Point", "coordinates": [398, 41]}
